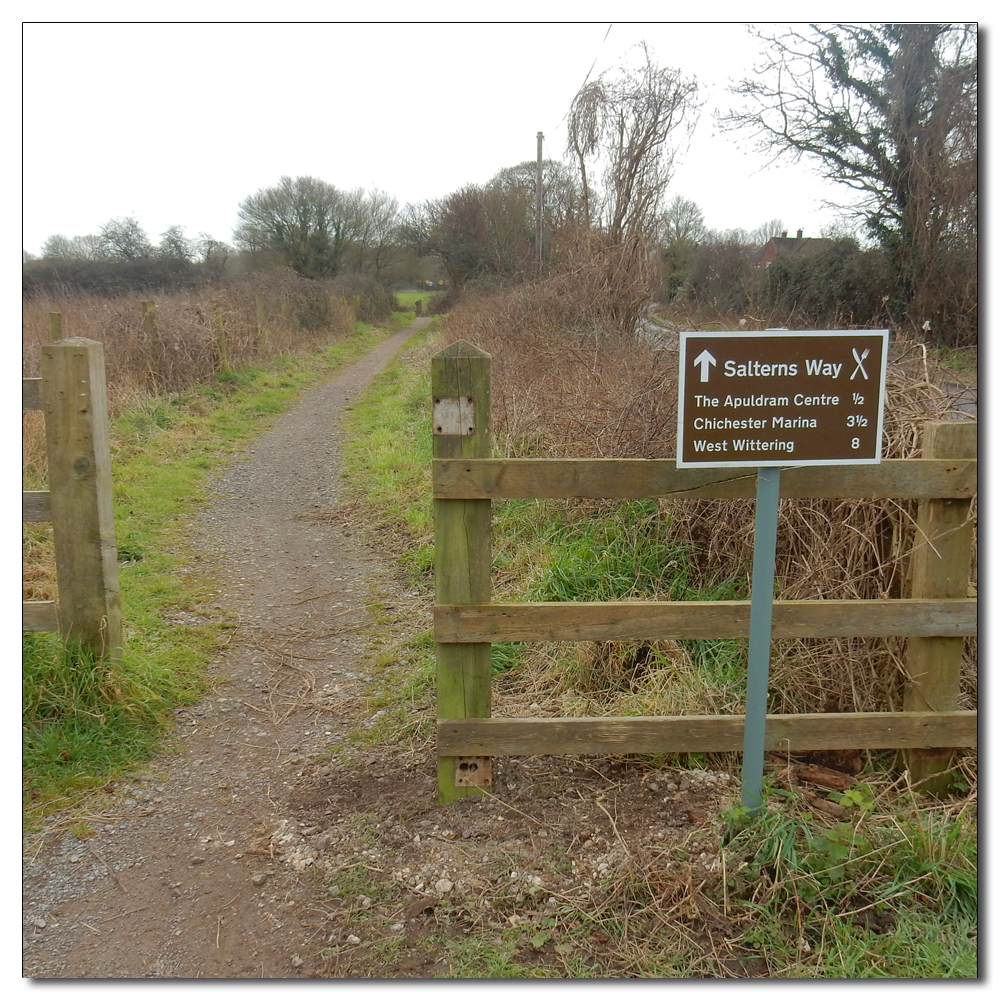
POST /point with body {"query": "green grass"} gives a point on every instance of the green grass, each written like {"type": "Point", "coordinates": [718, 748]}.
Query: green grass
{"type": "Point", "coordinates": [84, 718]}
{"type": "Point", "coordinates": [475, 957]}
{"type": "Point", "coordinates": [387, 457]}
{"type": "Point", "coordinates": [83, 721]}
{"type": "Point", "coordinates": [410, 299]}
{"type": "Point", "coordinates": [623, 554]}
{"type": "Point", "coordinates": [796, 885]}
{"type": "Point", "coordinates": [889, 892]}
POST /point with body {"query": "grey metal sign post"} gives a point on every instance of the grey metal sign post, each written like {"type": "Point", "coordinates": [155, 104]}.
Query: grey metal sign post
{"type": "Point", "coordinates": [776, 399]}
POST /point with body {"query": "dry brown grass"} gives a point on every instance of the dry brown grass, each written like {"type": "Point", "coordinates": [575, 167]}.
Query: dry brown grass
{"type": "Point", "coordinates": [182, 345]}
{"type": "Point", "coordinates": [571, 381]}
{"type": "Point", "coordinates": [147, 360]}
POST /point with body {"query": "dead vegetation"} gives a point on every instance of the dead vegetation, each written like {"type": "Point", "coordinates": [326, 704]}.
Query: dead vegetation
{"type": "Point", "coordinates": [190, 337]}
{"type": "Point", "coordinates": [570, 380]}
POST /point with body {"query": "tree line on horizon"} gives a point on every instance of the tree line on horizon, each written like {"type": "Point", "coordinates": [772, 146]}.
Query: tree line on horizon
{"type": "Point", "coordinates": [889, 111]}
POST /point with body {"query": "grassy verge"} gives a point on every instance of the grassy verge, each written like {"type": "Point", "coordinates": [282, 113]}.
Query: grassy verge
{"type": "Point", "coordinates": [888, 890]}
{"type": "Point", "coordinates": [84, 721]}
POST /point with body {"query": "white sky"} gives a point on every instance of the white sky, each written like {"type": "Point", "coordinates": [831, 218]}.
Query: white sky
{"type": "Point", "coordinates": [177, 122]}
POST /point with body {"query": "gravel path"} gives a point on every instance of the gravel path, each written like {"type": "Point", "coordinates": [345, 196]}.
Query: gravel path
{"type": "Point", "coordinates": [268, 843]}
{"type": "Point", "coordinates": [198, 867]}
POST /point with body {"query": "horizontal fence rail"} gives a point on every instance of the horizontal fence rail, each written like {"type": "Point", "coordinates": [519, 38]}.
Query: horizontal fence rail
{"type": "Point", "coordinates": [36, 506]}
{"type": "Point", "coordinates": [635, 479]}
{"type": "Point", "coordinates": [935, 616]}
{"type": "Point", "coordinates": [573, 621]}
{"type": "Point", "coordinates": [31, 394]}
{"type": "Point", "coordinates": [703, 733]}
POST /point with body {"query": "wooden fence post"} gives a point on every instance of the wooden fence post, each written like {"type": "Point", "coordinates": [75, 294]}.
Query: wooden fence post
{"type": "Point", "coordinates": [939, 569]}
{"type": "Point", "coordinates": [460, 387]}
{"type": "Point", "coordinates": [55, 326]}
{"type": "Point", "coordinates": [261, 324]}
{"type": "Point", "coordinates": [79, 455]}
{"type": "Point", "coordinates": [221, 340]}
{"type": "Point", "coordinates": [148, 318]}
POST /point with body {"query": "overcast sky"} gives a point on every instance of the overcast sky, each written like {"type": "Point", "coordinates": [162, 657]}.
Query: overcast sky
{"type": "Point", "coordinates": [176, 123]}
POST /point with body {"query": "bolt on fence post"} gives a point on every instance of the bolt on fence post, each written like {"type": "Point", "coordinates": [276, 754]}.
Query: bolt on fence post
{"type": "Point", "coordinates": [460, 387]}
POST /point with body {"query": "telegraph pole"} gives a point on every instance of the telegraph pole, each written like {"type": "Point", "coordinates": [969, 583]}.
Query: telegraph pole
{"type": "Point", "coordinates": [538, 205]}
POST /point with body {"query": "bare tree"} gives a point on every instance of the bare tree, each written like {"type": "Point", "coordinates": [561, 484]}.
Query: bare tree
{"type": "Point", "coordinates": [213, 255]}
{"type": "Point", "coordinates": [890, 111]}
{"type": "Point", "coordinates": [89, 247]}
{"type": "Point", "coordinates": [628, 122]}
{"type": "Point", "coordinates": [682, 221]}
{"type": "Point", "coordinates": [174, 245]}
{"type": "Point", "coordinates": [765, 231]}
{"type": "Point", "coordinates": [58, 247]}
{"type": "Point", "coordinates": [306, 222]}
{"type": "Point", "coordinates": [376, 246]}
{"type": "Point", "coordinates": [562, 198]}
{"type": "Point", "coordinates": [125, 239]}
{"type": "Point", "coordinates": [477, 232]}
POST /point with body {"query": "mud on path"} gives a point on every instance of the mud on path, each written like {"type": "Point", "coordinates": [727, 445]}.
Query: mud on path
{"type": "Point", "coordinates": [249, 851]}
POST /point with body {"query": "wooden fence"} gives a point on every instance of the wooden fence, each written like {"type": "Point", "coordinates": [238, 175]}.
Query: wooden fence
{"type": "Point", "coordinates": [936, 616]}
{"type": "Point", "coordinates": [78, 502]}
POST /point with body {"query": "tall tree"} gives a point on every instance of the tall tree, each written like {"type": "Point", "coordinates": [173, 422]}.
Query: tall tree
{"type": "Point", "coordinates": [562, 200]}
{"type": "Point", "coordinates": [58, 247]}
{"type": "Point", "coordinates": [682, 221]}
{"type": "Point", "coordinates": [628, 122]}
{"type": "Point", "coordinates": [891, 111]}
{"type": "Point", "coordinates": [125, 239]}
{"type": "Point", "coordinates": [681, 229]}
{"type": "Point", "coordinates": [376, 244]}
{"type": "Point", "coordinates": [476, 232]}
{"type": "Point", "coordinates": [306, 222]}
{"type": "Point", "coordinates": [174, 245]}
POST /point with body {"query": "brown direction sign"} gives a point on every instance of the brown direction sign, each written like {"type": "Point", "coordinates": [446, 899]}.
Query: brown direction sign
{"type": "Point", "coordinates": [786, 397]}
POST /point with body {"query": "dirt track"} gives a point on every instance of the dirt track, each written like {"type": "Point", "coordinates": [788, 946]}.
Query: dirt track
{"type": "Point", "coordinates": [167, 887]}
{"type": "Point", "coordinates": [252, 852]}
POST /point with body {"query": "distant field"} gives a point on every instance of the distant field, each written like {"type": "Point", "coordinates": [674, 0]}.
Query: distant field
{"type": "Point", "coordinates": [408, 299]}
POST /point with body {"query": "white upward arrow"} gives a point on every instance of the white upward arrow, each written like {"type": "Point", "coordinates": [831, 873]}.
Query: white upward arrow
{"type": "Point", "coordinates": [704, 359]}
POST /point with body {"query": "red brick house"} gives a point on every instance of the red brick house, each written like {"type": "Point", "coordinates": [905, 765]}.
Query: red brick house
{"type": "Point", "coordinates": [783, 245]}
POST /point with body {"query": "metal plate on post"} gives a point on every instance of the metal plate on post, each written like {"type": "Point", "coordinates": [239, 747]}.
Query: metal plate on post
{"type": "Point", "coordinates": [454, 415]}
{"type": "Point", "coordinates": [473, 772]}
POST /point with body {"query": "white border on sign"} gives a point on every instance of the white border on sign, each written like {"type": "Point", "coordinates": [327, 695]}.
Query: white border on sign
{"type": "Point", "coordinates": [769, 334]}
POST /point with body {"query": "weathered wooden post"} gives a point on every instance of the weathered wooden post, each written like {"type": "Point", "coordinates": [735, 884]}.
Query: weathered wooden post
{"type": "Point", "coordinates": [460, 387]}
{"type": "Point", "coordinates": [148, 318]}
{"type": "Point", "coordinates": [939, 568]}
{"type": "Point", "coordinates": [418, 307]}
{"type": "Point", "coordinates": [76, 429]}
{"type": "Point", "coordinates": [261, 324]}
{"type": "Point", "coordinates": [55, 326]}
{"type": "Point", "coordinates": [221, 340]}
